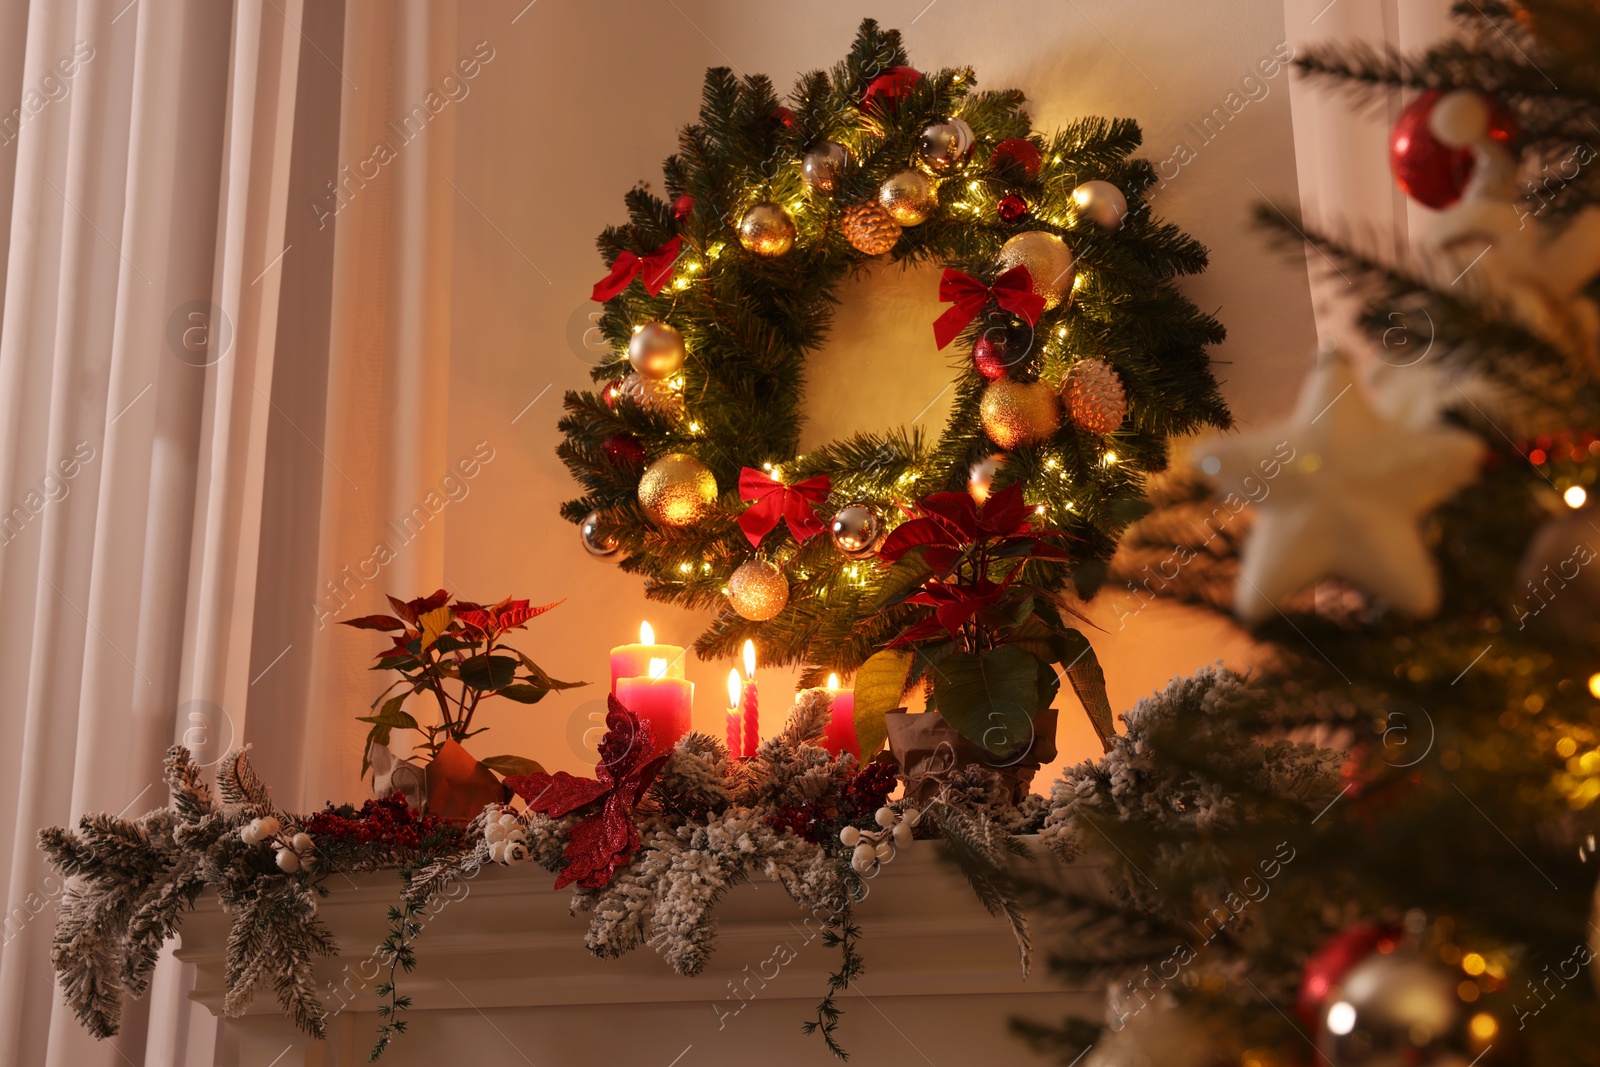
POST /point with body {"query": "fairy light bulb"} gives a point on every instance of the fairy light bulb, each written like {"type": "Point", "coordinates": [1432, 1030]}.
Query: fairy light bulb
{"type": "Point", "coordinates": [1575, 496]}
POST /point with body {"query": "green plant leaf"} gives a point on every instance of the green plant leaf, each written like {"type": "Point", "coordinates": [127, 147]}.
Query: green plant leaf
{"type": "Point", "coordinates": [391, 715]}
{"type": "Point", "coordinates": [1089, 682]}
{"type": "Point", "coordinates": [506, 766]}
{"type": "Point", "coordinates": [524, 692]}
{"type": "Point", "coordinates": [990, 697]}
{"type": "Point", "coordinates": [539, 677]}
{"type": "Point", "coordinates": [880, 683]}
{"type": "Point", "coordinates": [488, 673]}
{"type": "Point", "coordinates": [901, 580]}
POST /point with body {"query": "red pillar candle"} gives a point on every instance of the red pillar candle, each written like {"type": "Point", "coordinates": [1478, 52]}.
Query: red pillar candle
{"type": "Point", "coordinates": [667, 704]}
{"type": "Point", "coordinates": [840, 733]}
{"type": "Point", "coordinates": [752, 718]}
{"type": "Point", "coordinates": [633, 661]}
{"type": "Point", "coordinates": [735, 720]}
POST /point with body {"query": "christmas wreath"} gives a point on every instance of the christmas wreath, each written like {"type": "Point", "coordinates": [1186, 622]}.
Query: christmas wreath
{"type": "Point", "coordinates": [1058, 282]}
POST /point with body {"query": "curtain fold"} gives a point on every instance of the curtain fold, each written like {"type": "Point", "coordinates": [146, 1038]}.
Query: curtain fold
{"type": "Point", "coordinates": [194, 353]}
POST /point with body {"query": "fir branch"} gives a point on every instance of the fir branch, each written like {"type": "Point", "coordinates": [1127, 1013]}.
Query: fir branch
{"type": "Point", "coordinates": [841, 933]}
{"type": "Point", "coordinates": [404, 926]}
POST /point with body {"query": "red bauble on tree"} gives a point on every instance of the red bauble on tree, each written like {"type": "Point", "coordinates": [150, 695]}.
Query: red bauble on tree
{"type": "Point", "coordinates": [887, 88]}
{"type": "Point", "coordinates": [1427, 170]}
{"type": "Point", "coordinates": [998, 349]}
{"type": "Point", "coordinates": [1016, 159]}
{"type": "Point", "coordinates": [623, 450]}
{"type": "Point", "coordinates": [1011, 208]}
{"type": "Point", "coordinates": [683, 207]}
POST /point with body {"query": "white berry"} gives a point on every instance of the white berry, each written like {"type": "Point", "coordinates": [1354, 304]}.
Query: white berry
{"type": "Point", "coordinates": [268, 826]}
{"type": "Point", "coordinates": [912, 816]}
{"type": "Point", "coordinates": [301, 842]}
{"type": "Point", "coordinates": [885, 852]}
{"type": "Point", "coordinates": [515, 852]}
{"type": "Point", "coordinates": [249, 834]}
{"type": "Point", "coordinates": [902, 835]}
{"type": "Point", "coordinates": [849, 836]}
{"type": "Point", "coordinates": [497, 851]}
{"type": "Point", "coordinates": [862, 858]}
{"type": "Point", "coordinates": [885, 817]}
{"type": "Point", "coordinates": [288, 862]}
{"type": "Point", "coordinates": [494, 832]}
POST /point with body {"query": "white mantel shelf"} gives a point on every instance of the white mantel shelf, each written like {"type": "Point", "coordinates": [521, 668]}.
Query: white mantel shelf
{"type": "Point", "coordinates": [503, 979]}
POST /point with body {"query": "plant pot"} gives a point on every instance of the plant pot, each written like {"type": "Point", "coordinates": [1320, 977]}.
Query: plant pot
{"type": "Point", "coordinates": [928, 749]}
{"type": "Point", "coordinates": [459, 787]}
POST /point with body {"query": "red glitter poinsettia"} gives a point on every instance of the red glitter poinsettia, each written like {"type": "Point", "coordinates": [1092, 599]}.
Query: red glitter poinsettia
{"type": "Point", "coordinates": [605, 841]}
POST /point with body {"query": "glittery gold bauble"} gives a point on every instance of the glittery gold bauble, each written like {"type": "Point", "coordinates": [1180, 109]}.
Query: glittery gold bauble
{"type": "Point", "coordinates": [758, 590]}
{"type": "Point", "coordinates": [908, 196]}
{"type": "Point", "coordinates": [869, 229]}
{"type": "Point", "coordinates": [822, 165]}
{"type": "Point", "coordinates": [1019, 413]}
{"type": "Point", "coordinates": [766, 230]}
{"type": "Point", "coordinates": [677, 490]}
{"type": "Point", "coordinates": [980, 479]}
{"type": "Point", "coordinates": [1094, 396]}
{"type": "Point", "coordinates": [656, 350]}
{"type": "Point", "coordinates": [652, 394]}
{"type": "Point", "coordinates": [944, 145]}
{"type": "Point", "coordinates": [1049, 263]}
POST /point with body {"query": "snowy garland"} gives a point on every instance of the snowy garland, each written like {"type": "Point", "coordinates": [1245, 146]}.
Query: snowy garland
{"type": "Point", "coordinates": [704, 824]}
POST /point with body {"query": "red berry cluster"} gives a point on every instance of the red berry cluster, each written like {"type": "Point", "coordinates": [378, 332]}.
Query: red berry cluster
{"type": "Point", "coordinates": [389, 822]}
{"type": "Point", "coordinates": [861, 794]}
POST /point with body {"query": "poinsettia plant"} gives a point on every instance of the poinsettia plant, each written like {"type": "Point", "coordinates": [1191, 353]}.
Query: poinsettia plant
{"type": "Point", "coordinates": [455, 650]}
{"type": "Point", "coordinates": [994, 629]}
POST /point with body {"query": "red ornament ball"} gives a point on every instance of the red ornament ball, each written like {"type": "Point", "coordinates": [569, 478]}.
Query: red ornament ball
{"type": "Point", "coordinates": [1016, 158]}
{"type": "Point", "coordinates": [888, 87]}
{"type": "Point", "coordinates": [683, 207]}
{"type": "Point", "coordinates": [997, 350]}
{"type": "Point", "coordinates": [1427, 170]}
{"type": "Point", "coordinates": [623, 450]}
{"type": "Point", "coordinates": [1328, 965]}
{"type": "Point", "coordinates": [1011, 208]}
{"type": "Point", "coordinates": [785, 116]}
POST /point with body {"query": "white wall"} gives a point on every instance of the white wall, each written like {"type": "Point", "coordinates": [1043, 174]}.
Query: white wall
{"type": "Point", "coordinates": [584, 99]}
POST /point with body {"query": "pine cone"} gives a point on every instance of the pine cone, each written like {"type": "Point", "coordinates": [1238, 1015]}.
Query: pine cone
{"type": "Point", "coordinates": [1094, 396]}
{"type": "Point", "coordinates": [652, 394]}
{"type": "Point", "coordinates": [869, 229]}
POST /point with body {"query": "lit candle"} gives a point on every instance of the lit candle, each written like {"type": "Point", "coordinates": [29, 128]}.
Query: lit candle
{"type": "Point", "coordinates": [633, 661]}
{"type": "Point", "coordinates": [752, 719]}
{"type": "Point", "coordinates": [840, 733]}
{"type": "Point", "coordinates": [735, 720]}
{"type": "Point", "coordinates": [667, 704]}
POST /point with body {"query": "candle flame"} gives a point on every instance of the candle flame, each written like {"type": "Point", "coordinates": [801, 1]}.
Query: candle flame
{"type": "Point", "coordinates": [749, 659]}
{"type": "Point", "coordinates": [658, 668]}
{"type": "Point", "coordinates": [733, 689]}
{"type": "Point", "coordinates": [647, 634]}
{"type": "Point", "coordinates": [833, 681]}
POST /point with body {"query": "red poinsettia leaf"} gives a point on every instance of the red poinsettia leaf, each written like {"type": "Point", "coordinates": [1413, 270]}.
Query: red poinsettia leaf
{"type": "Point", "coordinates": [404, 610]}
{"type": "Point", "coordinates": [477, 618]}
{"type": "Point", "coordinates": [375, 622]}
{"type": "Point", "coordinates": [921, 631]}
{"type": "Point", "coordinates": [1004, 513]}
{"type": "Point", "coordinates": [466, 605]}
{"type": "Point", "coordinates": [517, 612]}
{"type": "Point", "coordinates": [557, 794]}
{"type": "Point", "coordinates": [957, 512]}
{"type": "Point", "coordinates": [909, 535]}
{"type": "Point", "coordinates": [942, 558]}
{"type": "Point", "coordinates": [433, 602]}
{"type": "Point", "coordinates": [598, 847]}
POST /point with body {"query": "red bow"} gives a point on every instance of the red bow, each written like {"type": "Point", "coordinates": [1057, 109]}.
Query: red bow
{"type": "Point", "coordinates": [656, 268]}
{"type": "Point", "coordinates": [1013, 291]}
{"type": "Point", "coordinates": [772, 500]}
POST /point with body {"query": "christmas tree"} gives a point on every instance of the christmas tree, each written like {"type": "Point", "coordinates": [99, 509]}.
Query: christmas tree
{"type": "Point", "coordinates": [1380, 848]}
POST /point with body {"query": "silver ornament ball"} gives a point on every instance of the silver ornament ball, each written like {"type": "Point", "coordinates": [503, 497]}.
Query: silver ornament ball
{"type": "Point", "coordinates": [945, 145]}
{"type": "Point", "coordinates": [822, 165]}
{"type": "Point", "coordinates": [1101, 202]}
{"type": "Point", "coordinates": [856, 530]}
{"type": "Point", "coordinates": [656, 350]}
{"type": "Point", "coordinates": [598, 545]}
{"type": "Point", "coordinates": [1403, 1007]}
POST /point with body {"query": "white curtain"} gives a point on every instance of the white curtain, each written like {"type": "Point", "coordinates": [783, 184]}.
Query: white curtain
{"type": "Point", "coordinates": [222, 369]}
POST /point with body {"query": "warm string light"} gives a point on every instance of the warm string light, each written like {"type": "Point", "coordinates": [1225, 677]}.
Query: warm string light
{"type": "Point", "coordinates": [1575, 496]}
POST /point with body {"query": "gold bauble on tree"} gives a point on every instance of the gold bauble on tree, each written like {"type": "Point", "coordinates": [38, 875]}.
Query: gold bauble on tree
{"type": "Point", "coordinates": [656, 350]}
{"type": "Point", "coordinates": [758, 590]}
{"type": "Point", "coordinates": [1019, 413]}
{"type": "Point", "coordinates": [869, 229]}
{"type": "Point", "coordinates": [1048, 259]}
{"type": "Point", "coordinates": [677, 490]}
{"type": "Point", "coordinates": [766, 230]}
{"type": "Point", "coordinates": [908, 196]}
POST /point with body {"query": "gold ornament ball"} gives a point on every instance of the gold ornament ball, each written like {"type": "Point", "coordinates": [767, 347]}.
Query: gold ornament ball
{"type": "Point", "coordinates": [869, 229]}
{"type": "Point", "coordinates": [677, 490]}
{"type": "Point", "coordinates": [822, 165]}
{"type": "Point", "coordinates": [1019, 413]}
{"type": "Point", "coordinates": [758, 590]}
{"type": "Point", "coordinates": [1048, 259]}
{"type": "Point", "coordinates": [766, 230]}
{"type": "Point", "coordinates": [908, 196]}
{"type": "Point", "coordinates": [1101, 202]}
{"type": "Point", "coordinates": [980, 479]}
{"type": "Point", "coordinates": [656, 350]}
